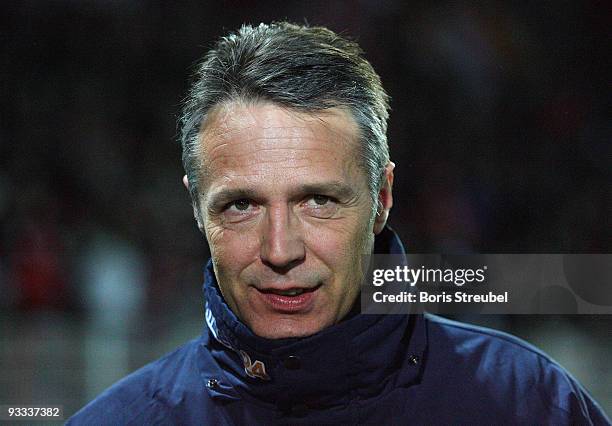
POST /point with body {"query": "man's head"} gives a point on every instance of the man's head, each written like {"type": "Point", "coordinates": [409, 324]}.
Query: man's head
{"type": "Point", "coordinates": [284, 146]}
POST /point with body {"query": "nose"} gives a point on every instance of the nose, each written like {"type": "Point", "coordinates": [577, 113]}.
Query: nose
{"type": "Point", "coordinates": [282, 245]}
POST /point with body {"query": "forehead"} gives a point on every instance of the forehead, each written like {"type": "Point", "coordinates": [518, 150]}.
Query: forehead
{"type": "Point", "coordinates": [264, 143]}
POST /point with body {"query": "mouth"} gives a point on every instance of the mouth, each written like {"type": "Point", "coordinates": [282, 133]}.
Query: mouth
{"type": "Point", "coordinates": [290, 300]}
{"type": "Point", "coordinates": [290, 292]}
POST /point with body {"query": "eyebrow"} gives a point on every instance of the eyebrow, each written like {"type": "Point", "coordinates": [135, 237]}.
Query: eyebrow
{"type": "Point", "coordinates": [336, 189]}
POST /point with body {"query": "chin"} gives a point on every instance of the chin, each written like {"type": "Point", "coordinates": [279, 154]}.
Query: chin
{"type": "Point", "coordinates": [292, 329]}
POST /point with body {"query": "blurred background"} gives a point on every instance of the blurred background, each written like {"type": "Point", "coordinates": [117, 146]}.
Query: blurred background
{"type": "Point", "coordinates": [501, 131]}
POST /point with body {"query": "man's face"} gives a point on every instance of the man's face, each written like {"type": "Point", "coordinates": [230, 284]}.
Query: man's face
{"type": "Point", "coordinates": [287, 213]}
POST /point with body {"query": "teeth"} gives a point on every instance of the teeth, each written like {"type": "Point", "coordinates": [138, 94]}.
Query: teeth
{"type": "Point", "coordinates": [292, 292]}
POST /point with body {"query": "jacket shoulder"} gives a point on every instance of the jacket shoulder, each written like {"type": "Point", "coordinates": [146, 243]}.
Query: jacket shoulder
{"type": "Point", "coordinates": [469, 338]}
{"type": "Point", "coordinates": [511, 373]}
{"type": "Point", "coordinates": [144, 396]}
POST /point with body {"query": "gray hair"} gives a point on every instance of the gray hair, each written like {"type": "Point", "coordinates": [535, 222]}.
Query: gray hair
{"type": "Point", "coordinates": [306, 68]}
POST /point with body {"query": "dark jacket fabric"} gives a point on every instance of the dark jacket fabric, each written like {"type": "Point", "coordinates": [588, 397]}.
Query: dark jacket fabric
{"type": "Point", "coordinates": [368, 369]}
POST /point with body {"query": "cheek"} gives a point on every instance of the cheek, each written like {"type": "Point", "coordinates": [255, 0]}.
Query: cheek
{"type": "Point", "coordinates": [328, 243]}
{"type": "Point", "coordinates": [341, 247]}
{"type": "Point", "coordinates": [231, 252]}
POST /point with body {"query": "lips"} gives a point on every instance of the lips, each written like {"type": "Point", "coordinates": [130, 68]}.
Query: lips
{"type": "Point", "coordinates": [291, 291]}
{"type": "Point", "coordinates": [289, 299]}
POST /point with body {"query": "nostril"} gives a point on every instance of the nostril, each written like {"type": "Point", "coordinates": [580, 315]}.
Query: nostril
{"type": "Point", "coordinates": [284, 268]}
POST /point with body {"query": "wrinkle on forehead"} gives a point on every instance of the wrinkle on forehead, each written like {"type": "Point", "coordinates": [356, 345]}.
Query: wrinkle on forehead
{"type": "Point", "coordinates": [224, 121]}
{"type": "Point", "coordinates": [237, 129]}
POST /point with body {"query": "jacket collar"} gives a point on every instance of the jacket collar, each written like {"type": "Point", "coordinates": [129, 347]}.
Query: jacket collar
{"type": "Point", "coordinates": [359, 357]}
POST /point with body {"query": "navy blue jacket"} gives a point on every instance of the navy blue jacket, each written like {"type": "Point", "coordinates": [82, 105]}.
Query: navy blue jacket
{"type": "Point", "coordinates": [368, 369]}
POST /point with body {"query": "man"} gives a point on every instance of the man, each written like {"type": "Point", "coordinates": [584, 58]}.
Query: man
{"type": "Point", "coordinates": [286, 160]}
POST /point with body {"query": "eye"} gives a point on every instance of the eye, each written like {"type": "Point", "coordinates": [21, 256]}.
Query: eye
{"type": "Point", "coordinates": [320, 206]}
{"type": "Point", "coordinates": [241, 205]}
{"type": "Point", "coordinates": [320, 200]}
{"type": "Point", "coordinates": [239, 209]}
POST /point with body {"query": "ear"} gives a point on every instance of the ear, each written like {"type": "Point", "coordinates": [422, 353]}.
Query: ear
{"type": "Point", "coordinates": [385, 199]}
{"type": "Point", "coordinates": [195, 211]}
